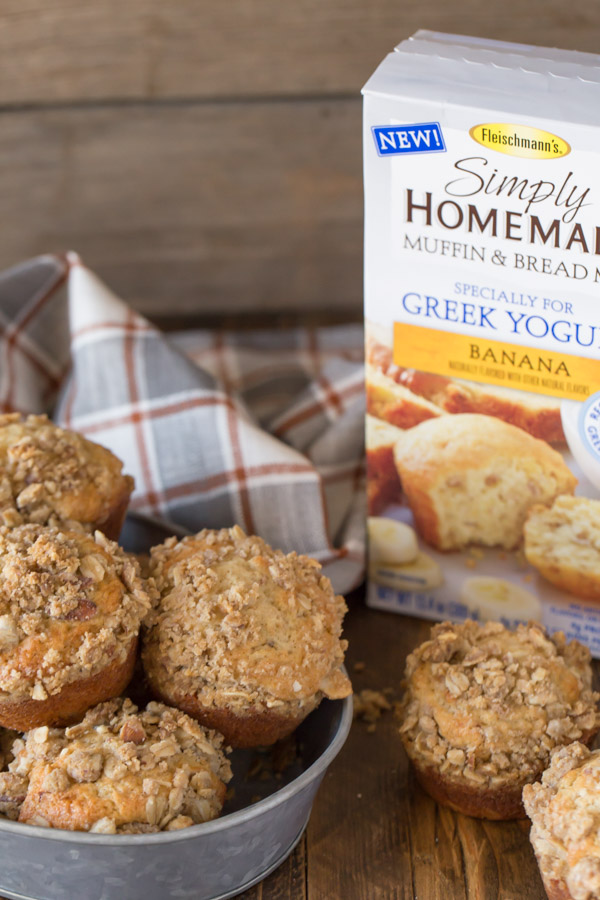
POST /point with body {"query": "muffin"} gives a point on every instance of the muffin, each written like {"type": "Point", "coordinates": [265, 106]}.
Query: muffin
{"type": "Point", "coordinates": [50, 476]}
{"type": "Point", "coordinates": [565, 818]}
{"type": "Point", "coordinates": [383, 482]}
{"type": "Point", "coordinates": [244, 638]}
{"type": "Point", "coordinates": [485, 706]}
{"type": "Point", "coordinates": [70, 610]}
{"type": "Point", "coordinates": [563, 543]}
{"type": "Point", "coordinates": [472, 479]}
{"type": "Point", "coordinates": [12, 787]}
{"type": "Point", "coordinates": [121, 771]}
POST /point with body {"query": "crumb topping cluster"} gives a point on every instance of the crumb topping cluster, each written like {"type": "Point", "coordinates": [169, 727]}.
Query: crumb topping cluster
{"type": "Point", "coordinates": [12, 787]}
{"type": "Point", "coordinates": [488, 705]}
{"type": "Point", "coordinates": [55, 477]}
{"type": "Point", "coordinates": [121, 770]}
{"type": "Point", "coordinates": [70, 604]}
{"type": "Point", "coordinates": [239, 623]}
{"type": "Point", "coordinates": [566, 820]}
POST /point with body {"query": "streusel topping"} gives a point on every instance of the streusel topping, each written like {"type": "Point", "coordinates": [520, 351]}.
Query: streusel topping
{"type": "Point", "coordinates": [12, 787]}
{"type": "Point", "coordinates": [488, 705]}
{"type": "Point", "coordinates": [241, 623]}
{"type": "Point", "coordinates": [55, 477]}
{"type": "Point", "coordinates": [70, 604]}
{"type": "Point", "coordinates": [122, 770]}
{"type": "Point", "coordinates": [565, 814]}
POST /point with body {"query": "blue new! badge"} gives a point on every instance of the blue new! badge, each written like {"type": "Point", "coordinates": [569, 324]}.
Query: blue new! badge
{"type": "Point", "coordinates": [424, 137]}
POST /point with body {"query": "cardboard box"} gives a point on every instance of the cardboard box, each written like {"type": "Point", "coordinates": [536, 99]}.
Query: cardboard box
{"type": "Point", "coordinates": [482, 307]}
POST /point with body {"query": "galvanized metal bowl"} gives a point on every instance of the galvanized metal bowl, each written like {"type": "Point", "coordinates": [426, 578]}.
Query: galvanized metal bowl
{"type": "Point", "coordinates": [212, 861]}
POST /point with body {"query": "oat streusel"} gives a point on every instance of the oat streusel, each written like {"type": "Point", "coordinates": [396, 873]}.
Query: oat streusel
{"type": "Point", "coordinates": [12, 787]}
{"type": "Point", "coordinates": [51, 476]}
{"type": "Point", "coordinates": [565, 833]}
{"type": "Point", "coordinates": [70, 605]}
{"type": "Point", "coordinates": [243, 627]}
{"type": "Point", "coordinates": [122, 771]}
{"type": "Point", "coordinates": [485, 706]}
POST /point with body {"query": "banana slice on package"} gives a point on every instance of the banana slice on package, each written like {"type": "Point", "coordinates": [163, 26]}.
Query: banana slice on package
{"type": "Point", "coordinates": [496, 598]}
{"type": "Point", "coordinates": [421, 574]}
{"type": "Point", "coordinates": [391, 541]}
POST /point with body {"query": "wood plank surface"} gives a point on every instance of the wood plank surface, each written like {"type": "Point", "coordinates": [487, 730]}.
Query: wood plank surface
{"type": "Point", "coordinates": [191, 207]}
{"type": "Point", "coordinates": [71, 51]}
{"type": "Point", "coordinates": [374, 834]}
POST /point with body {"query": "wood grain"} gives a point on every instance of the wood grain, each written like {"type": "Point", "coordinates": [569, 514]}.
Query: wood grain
{"type": "Point", "coordinates": [192, 207]}
{"type": "Point", "coordinates": [70, 51]}
{"type": "Point", "coordinates": [374, 834]}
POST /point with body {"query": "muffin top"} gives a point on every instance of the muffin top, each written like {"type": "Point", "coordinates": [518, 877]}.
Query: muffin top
{"type": "Point", "coordinates": [488, 704]}
{"type": "Point", "coordinates": [121, 770]}
{"type": "Point", "coordinates": [239, 623]}
{"type": "Point", "coordinates": [441, 446]}
{"type": "Point", "coordinates": [52, 476]}
{"type": "Point", "coordinates": [565, 814]}
{"type": "Point", "coordinates": [12, 787]}
{"type": "Point", "coordinates": [70, 604]}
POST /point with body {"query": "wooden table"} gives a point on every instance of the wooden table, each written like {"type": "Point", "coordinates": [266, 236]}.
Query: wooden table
{"type": "Point", "coordinates": [374, 834]}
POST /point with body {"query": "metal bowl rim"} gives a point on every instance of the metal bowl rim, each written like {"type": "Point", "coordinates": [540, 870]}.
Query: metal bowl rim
{"type": "Point", "coordinates": [197, 831]}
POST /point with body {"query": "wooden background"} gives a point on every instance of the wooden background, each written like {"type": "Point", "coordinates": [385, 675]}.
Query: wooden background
{"type": "Point", "coordinates": [205, 155]}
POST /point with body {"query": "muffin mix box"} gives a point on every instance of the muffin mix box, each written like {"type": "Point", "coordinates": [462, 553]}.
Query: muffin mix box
{"type": "Point", "coordinates": [482, 304]}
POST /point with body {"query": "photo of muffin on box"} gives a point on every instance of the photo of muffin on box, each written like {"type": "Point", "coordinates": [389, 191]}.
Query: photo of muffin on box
{"type": "Point", "coordinates": [471, 479]}
{"type": "Point", "coordinates": [563, 543]}
{"type": "Point", "coordinates": [506, 519]}
{"type": "Point", "coordinates": [383, 480]}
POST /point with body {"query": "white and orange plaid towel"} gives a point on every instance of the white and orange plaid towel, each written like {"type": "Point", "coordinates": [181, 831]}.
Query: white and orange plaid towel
{"type": "Point", "coordinates": [262, 428]}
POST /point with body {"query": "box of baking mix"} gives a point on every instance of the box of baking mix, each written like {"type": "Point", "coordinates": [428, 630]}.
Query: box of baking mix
{"type": "Point", "coordinates": [482, 319]}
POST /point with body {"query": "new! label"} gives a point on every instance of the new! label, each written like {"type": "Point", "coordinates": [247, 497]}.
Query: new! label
{"type": "Point", "coordinates": [423, 137]}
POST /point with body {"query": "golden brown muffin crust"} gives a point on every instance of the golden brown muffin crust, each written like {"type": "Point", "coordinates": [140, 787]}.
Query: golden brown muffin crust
{"type": "Point", "coordinates": [485, 706]}
{"type": "Point", "coordinates": [240, 625]}
{"type": "Point", "coordinates": [122, 770]}
{"type": "Point", "coordinates": [56, 477]}
{"type": "Point", "coordinates": [70, 604]}
{"type": "Point", "coordinates": [565, 819]}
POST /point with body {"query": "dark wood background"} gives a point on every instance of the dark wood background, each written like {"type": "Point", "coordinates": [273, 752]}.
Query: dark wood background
{"type": "Point", "coordinates": [205, 155]}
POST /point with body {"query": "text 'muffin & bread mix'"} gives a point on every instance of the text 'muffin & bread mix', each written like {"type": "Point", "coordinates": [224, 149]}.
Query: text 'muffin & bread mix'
{"type": "Point", "coordinates": [482, 283]}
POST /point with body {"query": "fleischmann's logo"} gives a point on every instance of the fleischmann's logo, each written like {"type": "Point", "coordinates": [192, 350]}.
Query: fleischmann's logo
{"type": "Point", "coordinates": [520, 140]}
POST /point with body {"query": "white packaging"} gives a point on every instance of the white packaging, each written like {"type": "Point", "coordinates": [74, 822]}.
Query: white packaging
{"type": "Point", "coordinates": [482, 300]}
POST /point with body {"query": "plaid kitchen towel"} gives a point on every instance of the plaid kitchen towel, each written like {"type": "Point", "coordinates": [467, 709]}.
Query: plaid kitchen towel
{"type": "Point", "coordinates": [262, 428]}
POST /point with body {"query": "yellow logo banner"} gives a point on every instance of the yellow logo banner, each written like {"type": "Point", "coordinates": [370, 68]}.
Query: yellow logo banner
{"type": "Point", "coordinates": [520, 140]}
{"type": "Point", "coordinates": [495, 362]}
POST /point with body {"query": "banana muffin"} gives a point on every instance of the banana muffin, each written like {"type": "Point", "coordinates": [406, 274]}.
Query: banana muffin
{"type": "Point", "coordinates": [121, 771]}
{"type": "Point", "coordinates": [12, 787]}
{"type": "Point", "coordinates": [563, 543]}
{"type": "Point", "coordinates": [485, 706]}
{"type": "Point", "coordinates": [70, 611]}
{"type": "Point", "coordinates": [565, 817]}
{"type": "Point", "coordinates": [50, 476]}
{"type": "Point", "coordinates": [471, 479]}
{"type": "Point", "coordinates": [244, 638]}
